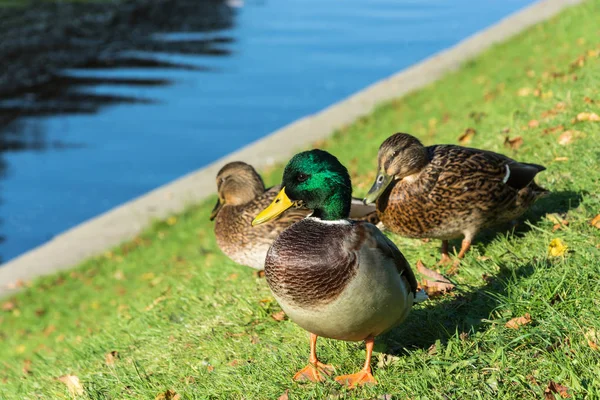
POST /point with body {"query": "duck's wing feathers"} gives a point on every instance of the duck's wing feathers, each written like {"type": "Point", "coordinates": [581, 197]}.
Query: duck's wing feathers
{"type": "Point", "coordinates": [387, 247]}
{"type": "Point", "coordinates": [455, 163]}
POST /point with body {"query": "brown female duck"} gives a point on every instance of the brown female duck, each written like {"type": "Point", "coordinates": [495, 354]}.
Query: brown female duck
{"type": "Point", "coordinates": [446, 191]}
{"type": "Point", "coordinates": [242, 195]}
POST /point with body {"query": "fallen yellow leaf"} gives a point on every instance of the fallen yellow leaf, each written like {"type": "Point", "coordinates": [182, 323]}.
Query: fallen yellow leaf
{"type": "Point", "coordinates": [596, 221]}
{"type": "Point", "coordinates": [557, 248]}
{"type": "Point", "coordinates": [73, 384]}
{"type": "Point", "coordinates": [523, 92]}
{"type": "Point", "coordinates": [586, 116]}
{"type": "Point", "coordinates": [517, 322]}
{"type": "Point", "coordinates": [168, 395]}
{"type": "Point", "coordinates": [534, 123]}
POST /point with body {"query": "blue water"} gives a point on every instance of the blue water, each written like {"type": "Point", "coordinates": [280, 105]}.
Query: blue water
{"type": "Point", "coordinates": [288, 58]}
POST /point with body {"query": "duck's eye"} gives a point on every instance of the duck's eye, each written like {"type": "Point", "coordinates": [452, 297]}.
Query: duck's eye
{"type": "Point", "coordinates": [301, 177]}
{"type": "Point", "coordinates": [380, 179]}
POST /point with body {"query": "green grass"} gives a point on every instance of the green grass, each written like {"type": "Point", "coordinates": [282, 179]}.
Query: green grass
{"type": "Point", "coordinates": [183, 317]}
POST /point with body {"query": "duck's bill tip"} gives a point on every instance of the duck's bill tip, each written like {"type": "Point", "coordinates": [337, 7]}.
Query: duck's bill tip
{"type": "Point", "coordinates": [281, 203]}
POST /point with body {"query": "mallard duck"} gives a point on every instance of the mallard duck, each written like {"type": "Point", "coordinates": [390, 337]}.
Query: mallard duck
{"type": "Point", "coordinates": [242, 195]}
{"type": "Point", "coordinates": [446, 191]}
{"type": "Point", "coordinates": [335, 277]}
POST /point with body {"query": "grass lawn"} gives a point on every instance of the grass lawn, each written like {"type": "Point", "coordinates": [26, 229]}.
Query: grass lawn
{"type": "Point", "coordinates": [169, 312]}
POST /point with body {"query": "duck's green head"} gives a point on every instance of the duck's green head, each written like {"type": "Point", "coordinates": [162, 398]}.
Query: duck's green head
{"type": "Point", "coordinates": [315, 180]}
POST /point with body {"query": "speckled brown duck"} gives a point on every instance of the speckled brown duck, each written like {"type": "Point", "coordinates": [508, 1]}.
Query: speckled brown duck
{"type": "Point", "coordinates": [333, 276]}
{"type": "Point", "coordinates": [242, 195]}
{"type": "Point", "coordinates": [446, 191]}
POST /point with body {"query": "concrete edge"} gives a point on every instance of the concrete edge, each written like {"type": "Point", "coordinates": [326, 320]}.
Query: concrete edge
{"type": "Point", "coordinates": [124, 222]}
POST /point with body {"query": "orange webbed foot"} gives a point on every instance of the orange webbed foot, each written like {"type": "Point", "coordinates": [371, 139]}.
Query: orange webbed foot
{"type": "Point", "coordinates": [445, 260]}
{"type": "Point", "coordinates": [358, 379]}
{"type": "Point", "coordinates": [314, 372]}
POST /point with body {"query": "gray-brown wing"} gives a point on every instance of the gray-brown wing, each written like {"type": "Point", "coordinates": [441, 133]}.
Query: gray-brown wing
{"type": "Point", "coordinates": [389, 248]}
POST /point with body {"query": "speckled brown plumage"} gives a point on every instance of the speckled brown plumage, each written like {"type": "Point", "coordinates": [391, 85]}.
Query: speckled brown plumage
{"type": "Point", "coordinates": [447, 191]}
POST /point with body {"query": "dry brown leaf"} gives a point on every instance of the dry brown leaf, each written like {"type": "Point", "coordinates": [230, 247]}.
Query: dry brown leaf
{"type": "Point", "coordinates": [517, 322]}
{"type": "Point", "coordinates": [534, 123]}
{"type": "Point", "coordinates": [49, 330]}
{"type": "Point", "coordinates": [284, 395]}
{"type": "Point", "coordinates": [436, 287]}
{"type": "Point", "coordinates": [27, 367]}
{"type": "Point", "coordinates": [155, 302]}
{"type": "Point", "coordinates": [568, 136]}
{"type": "Point", "coordinates": [17, 284]}
{"type": "Point", "coordinates": [593, 339]}
{"type": "Point", "coordinates": [168, 395]}
{"type": "Point", "coordinates": [73, 384]}
{"type": "Point", "coordinates": [554, 387]}
{"type": "Point", "coordinates": [423, 270]}
{"type": "Point", "coordinates": [588, 100]}
{"type": "Point", "coordinates": [561, 159]}
{"type": "Point", "coordinates": [557, 248]}
{"type": "Point", "coordinates": [464, 336]}
{"type": "Point", "coordinates": [586, 116]}
{"type": "Point", "coordinates": [553, 129]}
{"type": "Point", "coordinates": [254, 340]}
{"type": "Point", "coordinates": [467, 136]}
{"type": "Point", "coordinates": [596, 221]}
{"type": "Point", "coordinates": [278, 316]}
{"type": "Point", "coordinates": [432, 350]}
{"type": "Point", "coordinates": [513, 143]}
{"type": "Point", "coordinates": [232, 277]}
{"type": "Point", "coordinates": [110, 358]}
{"type": "Point", "coordinates": [118, 275]}
{"type": "Point", "coordinates": [9, 306]}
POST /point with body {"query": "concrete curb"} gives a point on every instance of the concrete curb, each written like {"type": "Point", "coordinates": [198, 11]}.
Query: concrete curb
{"type": "Point", "coordinates": [127, 220]}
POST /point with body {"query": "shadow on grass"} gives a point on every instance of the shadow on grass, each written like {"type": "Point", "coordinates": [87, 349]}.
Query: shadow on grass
{"type": "Point", "coordinates": [554, 203]}
{"type": "Point", "coordinates": [466, 311]}
{"type": "Point", "coordinates": [463, 313]}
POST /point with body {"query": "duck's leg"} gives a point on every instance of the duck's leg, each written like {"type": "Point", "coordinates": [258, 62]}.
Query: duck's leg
{"type": "Point", "coordinates": [446, 260]}
{"type": "Point", "coordinates": [466, 244]}
{"type": "Point", "coordinates": [364, 375]}
{"type": "Point", "coordinates": [314, 370]}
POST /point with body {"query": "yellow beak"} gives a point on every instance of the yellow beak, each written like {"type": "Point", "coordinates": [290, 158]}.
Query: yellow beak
{"type": "Point", "coordinates": [279, 205]}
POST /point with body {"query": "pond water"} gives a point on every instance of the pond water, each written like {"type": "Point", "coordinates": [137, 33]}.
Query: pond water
{"type": "Point", "coordinates": [112, 131]}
